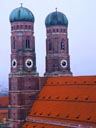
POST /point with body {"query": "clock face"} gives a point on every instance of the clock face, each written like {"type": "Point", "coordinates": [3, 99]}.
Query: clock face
{"type": "Point", "coordinates": [14, 63]}
{"type": "Point", "coordinates": [63, 63]}
{"type": "Point", "coordinates": [29, 63]}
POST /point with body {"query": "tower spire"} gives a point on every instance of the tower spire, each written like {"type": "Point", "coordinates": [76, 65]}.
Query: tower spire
{"type": "Point", "coordinates": [58, 63]}
{"type": "Point", "coordinates": [56, 9]}
{"type": "Point", "coordinates": [21, 4]}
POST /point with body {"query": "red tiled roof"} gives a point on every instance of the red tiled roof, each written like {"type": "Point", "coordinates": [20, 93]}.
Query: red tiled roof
{"type": "Point", "coordinates": [3, 114]}
{"type": "Point", "coordinates": [3, 101]}
{"type": "Point", "coordinates": [66, 99]}
{"type": "Point", "coordinates": [40, 125]}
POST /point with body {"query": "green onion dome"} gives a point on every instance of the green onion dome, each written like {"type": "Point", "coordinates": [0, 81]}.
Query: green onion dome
{"type": "Point", "coordinates": [21, 14]}
{"type": "Point", "coordinates": [56, 18]}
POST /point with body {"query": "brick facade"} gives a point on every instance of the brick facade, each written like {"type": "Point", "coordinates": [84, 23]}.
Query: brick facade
{"type": "Point", "coordinates": [57, 51]}
{"type": "Point", "coordinates": [23, 78]}
{"type": "Point", "coordinates": [24, 81]}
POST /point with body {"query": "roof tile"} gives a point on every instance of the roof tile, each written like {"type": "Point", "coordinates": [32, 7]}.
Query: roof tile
{"type": "Point", "coordinates": [71, 99]}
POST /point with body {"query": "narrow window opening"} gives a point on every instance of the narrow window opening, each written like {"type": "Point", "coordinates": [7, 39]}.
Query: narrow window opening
{"type": "Point", "coordinates": [53, 30]}
{"type": "Point", "coordinates": [12, 28]}
{"type": "Point", "coordinates": [57, 30]}
{"type": "Point", "coordinates": [25, 26]}
{"type": "Point", "coordinates": [14, 44]}
{"type": "Point", "coordinates": [27, 43]}
{"type": "Point", "coordinates": [62, 45]}
{"type": "Point", "coordinates": [49, 45]}
{"type": "Point", "coordinates": [17, 26]}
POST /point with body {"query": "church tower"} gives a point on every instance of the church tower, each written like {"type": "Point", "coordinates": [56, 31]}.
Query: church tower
{"type": "Point", "coordinates": [57, 45]}
{"type": "Point", "coordinates": [23, 78]}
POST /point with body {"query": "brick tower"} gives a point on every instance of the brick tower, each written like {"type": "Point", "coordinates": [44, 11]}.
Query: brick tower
{"type": "Point", "coordinates": [57, 50]}
{"type": "Point", "coordinates": [23, 78]}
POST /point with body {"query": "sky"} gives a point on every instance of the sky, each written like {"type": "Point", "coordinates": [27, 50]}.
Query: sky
{"type": "Point", "coordinates": [81, 16]}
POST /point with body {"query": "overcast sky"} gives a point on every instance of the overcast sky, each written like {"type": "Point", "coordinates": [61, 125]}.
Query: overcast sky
{"type": "Point", "coordinates": [81, 15]}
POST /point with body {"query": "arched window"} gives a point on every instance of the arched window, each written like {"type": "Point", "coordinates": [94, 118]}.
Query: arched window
{"type": "Point", "coordinates": [27, 43]}
{"type": "Point", "coordinates": [14, 44]}
{"type": "Point", "coordinates": [49, 45]}
{"type": "Point", "coordinates": [62, 45]}
{"type": "Point", "coordinates": [55, 44]}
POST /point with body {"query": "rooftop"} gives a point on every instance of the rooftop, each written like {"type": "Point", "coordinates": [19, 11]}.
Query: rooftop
{"type": "Point", "coordinates": [65, 101]}
{"type": "Point", "coordinates": [3, 101]}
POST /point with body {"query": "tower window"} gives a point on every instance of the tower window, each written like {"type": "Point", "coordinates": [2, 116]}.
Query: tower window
{"type": "Point", "coordinates": [14, 44]}
{"type": "Point", "coordinates": [17, 26]}
{"type": "Point", "coordinates": [53, 30]}
{"type": "Point", "coordinates": [49, 45]}
{"type": "Point", "coordinates": [62, 45]}
{"type": "Point", "coordinates": [60, 30]}
{"type": "Point", "coordinates": [25, 26]}
{"type": "Point", "coordinates": [48, 31]}
{"type": "Point", "coordinates": [29, 27]}
{"type": "Point", "coordinates": [12, 28]}
{"type": "Point", "coordinates": [57, 30]}
{"type": "Point", "coordinates": [64, 30]}
{"type": "Point", "coordinates": [55, 44]}
{"type": "Point", "coordinates": [27, 43]}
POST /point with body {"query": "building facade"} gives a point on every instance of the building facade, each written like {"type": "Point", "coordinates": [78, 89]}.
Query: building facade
{"type": "Point", "coordinates": [57, 45]}
{"type": "Point", "coordinates": [23, 77]}
{"type": "Point", "coordinates": [3, 111]}
{"type": "Point", "coordinates": [24, 81]}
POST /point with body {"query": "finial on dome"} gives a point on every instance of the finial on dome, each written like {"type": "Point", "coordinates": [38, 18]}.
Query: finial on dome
{"type": "Point", "coordinates": [21, 4]}
{"type": "Point", "coordinates": [56, 9]}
